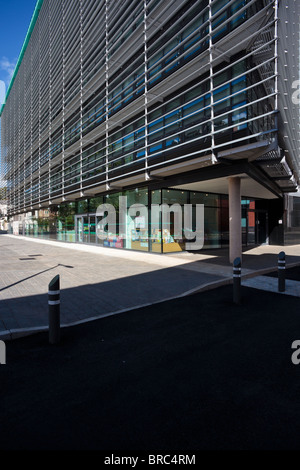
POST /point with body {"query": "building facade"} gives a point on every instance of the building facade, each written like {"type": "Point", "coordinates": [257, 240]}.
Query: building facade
{"type": "Point", "coordinates": [162, 102]}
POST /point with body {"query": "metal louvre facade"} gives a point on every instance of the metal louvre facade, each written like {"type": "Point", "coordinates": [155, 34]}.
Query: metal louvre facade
{"type": "Point", "coordinates": [117, 94]}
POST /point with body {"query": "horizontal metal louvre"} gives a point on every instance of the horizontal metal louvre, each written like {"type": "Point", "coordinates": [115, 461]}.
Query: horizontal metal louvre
{"type": "Point", "coordinates": [113, 89]}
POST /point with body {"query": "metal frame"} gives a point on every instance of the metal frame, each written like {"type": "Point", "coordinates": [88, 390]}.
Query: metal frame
{"type": "Point", "coordinates": [74, 49]}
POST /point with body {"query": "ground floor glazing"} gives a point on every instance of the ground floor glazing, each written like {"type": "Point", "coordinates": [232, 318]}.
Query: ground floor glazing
{"type": "Point", "coordinates": [83, 221]}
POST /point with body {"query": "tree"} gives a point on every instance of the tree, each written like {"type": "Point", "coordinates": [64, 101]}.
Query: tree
{"type": "Point", "coordinates": [3, 194]}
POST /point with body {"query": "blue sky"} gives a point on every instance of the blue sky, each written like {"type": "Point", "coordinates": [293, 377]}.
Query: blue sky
{"type": "Point", "coordinates": [15, 18]}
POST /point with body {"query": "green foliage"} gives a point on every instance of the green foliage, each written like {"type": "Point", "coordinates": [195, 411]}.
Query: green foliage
{"type": "Point", "coordinates": [3, 194]}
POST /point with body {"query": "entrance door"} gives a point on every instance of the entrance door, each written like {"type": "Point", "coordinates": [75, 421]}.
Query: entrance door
{"type": "Point", "coordinates": [85, 229]}
{"type": "Point", "coordinates": [93, 229]}
{"type": "Point", "coordinates": [79, 229]}
{"type": "Point", "coordinates": [255, 228]}
{"type": "Point", "coordinates": [261, 227]}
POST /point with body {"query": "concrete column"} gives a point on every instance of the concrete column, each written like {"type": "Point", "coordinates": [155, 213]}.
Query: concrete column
{"type": "Point", "coordinates": [235, 222]}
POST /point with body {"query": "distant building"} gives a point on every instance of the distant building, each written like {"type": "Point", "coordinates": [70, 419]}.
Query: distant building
{"type": "Point", "coordinates": [162, 101]}
{"type": "Point", "coordinates": [3, 215]}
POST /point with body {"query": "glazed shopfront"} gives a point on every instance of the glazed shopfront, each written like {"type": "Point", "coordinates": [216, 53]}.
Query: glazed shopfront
{"type": "Point", "coordinates": [84, 221]}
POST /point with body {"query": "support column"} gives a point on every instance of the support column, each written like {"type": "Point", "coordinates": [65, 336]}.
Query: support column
{"type": "Point", "coordinates": [235, 219]}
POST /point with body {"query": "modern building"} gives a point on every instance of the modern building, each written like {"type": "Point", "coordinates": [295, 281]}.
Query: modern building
{"type": "Point", "coordinates": [3, 215]}
{"type": "Point", "coordinates": [161, 101]}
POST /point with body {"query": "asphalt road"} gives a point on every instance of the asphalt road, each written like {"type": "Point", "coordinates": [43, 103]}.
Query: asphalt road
{"type": "Point", "coordinates": [292, 273]}
{"type": "Point", "coordinates": [195, 373]}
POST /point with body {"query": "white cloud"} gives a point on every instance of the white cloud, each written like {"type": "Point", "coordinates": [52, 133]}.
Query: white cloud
{"type": "Point", "coordinates": [2, 92]}
{"type": "Point", "coordinates": [7, 66]}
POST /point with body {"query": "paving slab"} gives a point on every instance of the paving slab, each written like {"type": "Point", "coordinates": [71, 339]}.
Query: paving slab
{"type": "Point", "coordinates": [271, 284]}
{"type": "Point", "coordinates": [97, 282]}
{"type": "Point", "coordinates": [94, 282]}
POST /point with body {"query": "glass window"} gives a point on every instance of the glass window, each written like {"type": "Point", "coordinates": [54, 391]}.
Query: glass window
{"type": "Point", "coordinates": [217, 22]}
{"type": "Point", "coordinates": [92, 229]}
{"type": "Point", "coordinates": [239, 19]}
{"type": "Point", "coordinates": [212, 218]}
{"type": "Point", "coordinates": [128, 90]}
{"type": "Point", "coordinates": [94, 203]}
{"type": "Point", "coordinates": [66, 222]}
{"type": "Point", "coordinates": [221, 123]}
{"type": "Point", "coordinates": [155, 114]}
{"type": "Point", "coordinates": [239, 68]}
{"type": "Point", "coordinates": [193, 112]}
{"type": "Point", "coordinates": [220, 97]}
{"type": "Point", "coordinates": [155, 64]}
{"type": "Point", "coordinates": [238, 116]}
{"type": "Point", "coordinates": [217, 5]}
{"type": "Point", "coordinates": [224, 226]}
{"type": "Point", "coordinates": [139, 135]}
{"type": "Point", "coordinates": [190, 29]}
{"type": "Point", "coordinates": [156, 197]}
{"type": "Point", "coordinates": [155, 240]}
{"type": "Point", "coordinates": [140, 79]}
{"type": "Point", "coordinates": [212, 200]}
{"type": "Point", "coordinates": [137, 196]}
{"type": "Point", "coordinates": [172, 230]}
{"type": "Point", "coordinates": [156, 130]}
{"type": "Point", "coordinates": [137, 219]}
{"type": "Point", "coordinates": [175, 103]}
{"type": "Point", "coordinates": [172, 122]}
{"type": "Point", "coordinates": [128, 142]}
{"type": "Point", "coordinates": [220, 78]}
{"type": "Point", "coordinates": [82, 207]}
{"type": "Point", "coordinates": [238, 88]}
{"type": "Point", "coordinates": [173, 196]}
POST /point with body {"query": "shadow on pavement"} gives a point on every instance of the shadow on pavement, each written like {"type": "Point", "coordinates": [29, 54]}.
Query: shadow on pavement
{"type": "Point", "coordinates": [293, 274]}
{"type": "Point", "coordinates": [33, 275]}
{"type": "Point", "coordinates": [190, 374]}
{"type": "Point", "coordinates": [249, 261]}
{"type": "Point", "coordinates": [85, 301]}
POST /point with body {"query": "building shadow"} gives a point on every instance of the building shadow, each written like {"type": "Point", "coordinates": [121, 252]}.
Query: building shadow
{"type": "Point", "coordinates": [95, 300]}
{"type": "Point", "coordinates": [220, 256]}
{"type": "Point", "coordinates": [99, 299]}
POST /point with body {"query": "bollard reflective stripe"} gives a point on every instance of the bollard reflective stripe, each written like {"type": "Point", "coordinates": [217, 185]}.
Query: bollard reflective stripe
{"type": "Point", "coordinates": [281, 264]}
{"type": "Point", "coordinates": [237, 274]}
{"type": "Point", "coordinates": [54, 310]}
{"type": "Point", "coordinates": [281, 272]}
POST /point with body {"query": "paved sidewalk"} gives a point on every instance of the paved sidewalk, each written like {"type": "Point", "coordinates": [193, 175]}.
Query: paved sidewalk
{"type": "Point", "coordinates": [97, 282]}
{"type": "Point", "coordinates": [270, 284]}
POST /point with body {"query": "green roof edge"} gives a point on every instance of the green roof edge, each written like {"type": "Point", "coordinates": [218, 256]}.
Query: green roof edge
{"type": "Point", "coordinates": [35, 15]}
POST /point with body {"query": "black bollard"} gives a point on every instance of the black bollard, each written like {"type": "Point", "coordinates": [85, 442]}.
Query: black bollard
{"type": "Point", "coordinates": [2, 352]}
{"type": "Point", "coordinates": [237, 274]}
{"type": "Point", "coordinates": [54, 310]}
{"type": "Point", "coordinates": [281, 272]}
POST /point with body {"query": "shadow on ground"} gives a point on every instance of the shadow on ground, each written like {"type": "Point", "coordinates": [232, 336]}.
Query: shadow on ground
{"type": "Point", "coordinates": [249, 261]}
{"type": "Point", "coordinates": [99, 299]}
{"type": "Point", "coordinates": [189, 374]}
{"type": "Point", "coordinates": [292, 273]}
